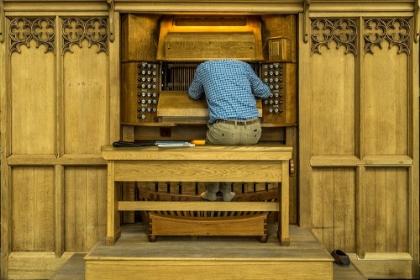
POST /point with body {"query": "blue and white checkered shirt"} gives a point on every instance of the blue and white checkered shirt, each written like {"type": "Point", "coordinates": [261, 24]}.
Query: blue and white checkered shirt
{"type": "Point", "coordinates": [230, 87]}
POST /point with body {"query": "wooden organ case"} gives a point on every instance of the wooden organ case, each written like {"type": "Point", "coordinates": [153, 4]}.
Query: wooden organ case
{"type": "Point", "coordinates": [159, 56]}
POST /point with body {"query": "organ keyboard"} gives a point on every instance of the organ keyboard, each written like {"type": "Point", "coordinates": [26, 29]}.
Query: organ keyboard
{"type": "Point", "coordinates": [176, 107]}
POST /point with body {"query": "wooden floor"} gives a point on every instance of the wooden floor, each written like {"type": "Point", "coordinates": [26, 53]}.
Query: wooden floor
{"type": "Point", "coordinates": [134, 257]}
{"type": "Point", "coordinates": [73, 269]}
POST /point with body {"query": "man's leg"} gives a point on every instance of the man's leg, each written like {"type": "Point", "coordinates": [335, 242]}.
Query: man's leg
{"type": "Point", "coordinates": [211, 189]}
{"type": "Point", "coordinates": [221, 134]}
{"type": "Point", "coordinates": [226, 189]}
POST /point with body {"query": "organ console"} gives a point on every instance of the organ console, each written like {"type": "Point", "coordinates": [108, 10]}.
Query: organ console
{"type": "Point", "coordinates": [154, 91]}
{"type": "Point", "coordinates": [149, 80]}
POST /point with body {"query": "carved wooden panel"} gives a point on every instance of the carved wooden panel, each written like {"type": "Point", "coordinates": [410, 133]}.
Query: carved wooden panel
{"type": "Point", "coordinates": [361, 151]}
{"type": "Point", "coordinates": [57, 117]}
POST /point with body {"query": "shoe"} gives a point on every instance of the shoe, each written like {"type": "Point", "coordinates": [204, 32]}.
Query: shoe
{"type": "Point", "coordinates": [228, 196]}
{"type": "Point", "coordinates": [208, 196]}
{"type": "Point", "coordinates": [340, 258]}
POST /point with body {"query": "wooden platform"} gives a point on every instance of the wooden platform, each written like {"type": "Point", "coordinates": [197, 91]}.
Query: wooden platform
{"type": "Point", "coordinates": [212, 258]}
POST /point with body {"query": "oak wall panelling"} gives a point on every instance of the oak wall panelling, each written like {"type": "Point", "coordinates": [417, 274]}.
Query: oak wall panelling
{"type": "Point", "coordinates": [359, 191]}
{"type": "Point", "coordinates": [56, 119]}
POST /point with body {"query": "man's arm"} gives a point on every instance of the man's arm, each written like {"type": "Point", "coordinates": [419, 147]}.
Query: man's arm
{"type": "Point", "coordinates": [196, 89]}
{"type": "Point", "coordinates": [258, 88]}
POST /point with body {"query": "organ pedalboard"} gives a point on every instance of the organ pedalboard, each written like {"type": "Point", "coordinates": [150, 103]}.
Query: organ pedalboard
{"type": "Point", "coordinates": [140, 96]}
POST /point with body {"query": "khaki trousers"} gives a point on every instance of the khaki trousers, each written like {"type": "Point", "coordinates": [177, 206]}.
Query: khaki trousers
{"type": "Point", "coordinates": [221, 133]}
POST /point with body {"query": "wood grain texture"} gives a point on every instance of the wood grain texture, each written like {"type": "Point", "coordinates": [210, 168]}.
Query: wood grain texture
{"type": "Point", "coordinates": [85, 207]}
{"type": "Point", "coordinates": [85, 102]}
{"type": "Point", "coordinates": [138, 34]}
{"type": "Point", "coordinates": [74, 268]}
{"type": "Point", "coordinates": [179, 104]}
{"type": "Point", "coordinates": [163, 225]}
{"type": "Point", "coordinates": [385, 124]}
{"type": "Point", "coordinates": [197, 171]}
{"type": "Point", "coordinates": [210, 257]}
{"type": "Point", "coordinates": [32, 209]}
{"type": "Point", "coordinates": [33, 101]}
{"type": "Point", "coordinates": [359, 155]}
{"type": "Point", "coordinates": [35, 265]}
{"type": "Point", "coordinates": [199, 40]}
{"type": "Point", "coordinates": [200, 153]}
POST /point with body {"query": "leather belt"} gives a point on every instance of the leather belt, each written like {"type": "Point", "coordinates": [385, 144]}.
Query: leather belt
{"type": "Point", "coordinates": [238, 122]}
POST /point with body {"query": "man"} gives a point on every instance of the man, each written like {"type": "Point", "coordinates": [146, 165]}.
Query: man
{"type": "Point", "coordinates": [230, 88]}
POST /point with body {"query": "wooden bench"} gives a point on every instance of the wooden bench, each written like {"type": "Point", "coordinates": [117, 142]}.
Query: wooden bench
{"type": "Point", "coordinates": [258, 163]}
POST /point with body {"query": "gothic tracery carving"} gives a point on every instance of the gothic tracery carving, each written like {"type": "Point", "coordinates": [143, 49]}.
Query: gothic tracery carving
{"type": "Point", "coordinates": [94, 30]}
{"type": "Point", "coordinates": [23, 30]}
{"type": "Point", "coordinates": [342, 31]}
{"type": "Point", "coordinates": [395, 31]}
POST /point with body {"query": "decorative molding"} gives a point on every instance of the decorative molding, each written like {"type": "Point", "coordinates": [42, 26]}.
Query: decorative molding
{"type": "Point", "coordinates": [111, 20]}
{"type": "Point", "coordinates": [1, 21]}
{"type": "Point", "coordinates": [395, 31]}
{"type": "Point", "coordinates": [416, 21]}
{"type": "Point", "coordinates": [342, 31]}
{"type": "Point", "coordinates": [75, 30]}
{"type": "Point", "coordinates": [23, 30]}
{"type": "Point", "coordinates": [306, 20]}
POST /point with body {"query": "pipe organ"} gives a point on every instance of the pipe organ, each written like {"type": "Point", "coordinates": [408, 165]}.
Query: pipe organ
{"type": "Point", "coordinates": [154, 89]}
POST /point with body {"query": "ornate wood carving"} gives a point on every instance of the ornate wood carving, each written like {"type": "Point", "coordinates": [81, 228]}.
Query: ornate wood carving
{"type": "Point", "coordinates": [23, 30]}
{"type": "Point", "coordinates": [341, 31]}
{"type": "Point", "coordinates": [344, 33]}
{"type": "Point", "coordinates": [395, 31]}
{"type": "Point", "coordinates": [75, 30]}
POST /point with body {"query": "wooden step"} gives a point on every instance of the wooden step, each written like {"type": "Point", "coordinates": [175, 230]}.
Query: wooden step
{"type": "Point", "coordinates": [74, 269]}
{"type": "Point", "coordinates": [209, 257]}
{"type": "Point", "coordinates": [171, 257]}
{"type": "Point", "coordinates": [348, 273]}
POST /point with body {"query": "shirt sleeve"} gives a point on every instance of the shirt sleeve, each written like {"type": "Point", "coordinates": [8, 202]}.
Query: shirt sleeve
{"type": "Point", "coordinates": [196, 89]}
{"type": "Point", "coordinates": [258, 88]}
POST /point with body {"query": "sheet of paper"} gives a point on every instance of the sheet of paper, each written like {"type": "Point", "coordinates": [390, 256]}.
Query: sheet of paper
{"type": "Point", "coordinates": [173, 144]}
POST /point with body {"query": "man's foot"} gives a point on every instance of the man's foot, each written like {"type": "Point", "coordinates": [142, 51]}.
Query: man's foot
{"type": "Point", "coordinates": [209, 196]}
{"type": "Point", "coordinates": [228, 196]}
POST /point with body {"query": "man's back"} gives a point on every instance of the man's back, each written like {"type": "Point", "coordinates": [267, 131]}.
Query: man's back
{"type": "Point", "coordinates": [230, 87]}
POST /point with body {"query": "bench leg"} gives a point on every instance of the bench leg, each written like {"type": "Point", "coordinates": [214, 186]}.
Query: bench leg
{"type": "Point", "coordinates": [113, 230]}
{"type": "Point", "coordinates": [283, 230]}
